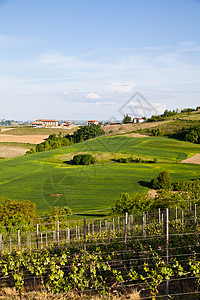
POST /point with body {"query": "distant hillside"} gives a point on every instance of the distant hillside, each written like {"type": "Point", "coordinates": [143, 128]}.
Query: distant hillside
{"type": "Point", "coordinates": [171, 125]}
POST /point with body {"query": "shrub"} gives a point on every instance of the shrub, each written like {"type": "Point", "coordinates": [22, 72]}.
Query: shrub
{"type": "Point", "coordinates": [31, 151]}
{"type": "Point", "coordinates": [163, 181]}
{"type": "Point", "coordinates": [83, 159]}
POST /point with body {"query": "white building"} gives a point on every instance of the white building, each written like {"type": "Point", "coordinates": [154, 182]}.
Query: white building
{"type": "Point", "coordinates": [138, 120]}
{"type": "Point", "coordinates": [92, 122]}
{"type": "Point", "coordinates": [47, 123]}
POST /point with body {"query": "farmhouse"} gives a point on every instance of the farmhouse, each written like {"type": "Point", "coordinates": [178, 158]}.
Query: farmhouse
{"type": "Point", "coordinates": [138, 120]}
{"type": "Point", "coordinates": [45, 123]}
{"type": "Point", "coordinates": [37, 124]}
{"type": "Point", "coordinates": [66, 124]}
{"type": "Point", "coordinates": [92, 122]}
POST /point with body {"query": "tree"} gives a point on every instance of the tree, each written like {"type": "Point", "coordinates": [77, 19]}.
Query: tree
{"type": "Point", "coordinates": [83, 159]}
{"type": "Point", "coordinates": [127, 119]}
{"type": "Point", "coordinates": [14, 213]}
{"type": "Point", "coordinates": [163, 181]}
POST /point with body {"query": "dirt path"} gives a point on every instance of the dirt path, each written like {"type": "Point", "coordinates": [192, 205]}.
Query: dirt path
{"type": "Point", "coordinates": [195, 159]}
{"type": "Point", "coordinates": [27, 139]}
{"type": "Point", "coordinates": [5, 129]}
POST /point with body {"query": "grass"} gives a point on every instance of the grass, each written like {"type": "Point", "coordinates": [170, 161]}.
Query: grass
{"type": "Point", "coordinates": [45, 178]}
{"type": "Point", "coordinates": [39, 294]}
{"type": "Point", "coordinates": [14, 144]}
{"type": "Point", "coordinates": [25, 130]}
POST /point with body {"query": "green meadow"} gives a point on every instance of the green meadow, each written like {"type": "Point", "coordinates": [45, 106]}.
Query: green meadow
{"type": "Point", "coordinates": [48, 179]}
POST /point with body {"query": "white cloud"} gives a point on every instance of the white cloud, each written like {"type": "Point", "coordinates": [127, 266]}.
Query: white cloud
{"type": "Point", "coordinates": [66, 93]}
{"type": "Point", "coordinates": [160, 107]}
{"type": "Point", "coordinates": [105, 103]}
{"type": "Point", "coordinates": [125, 87]}
{"type": "Point", "coordinates": [5, 39]}
{"type": "Point", "coordinates": [93, 96]}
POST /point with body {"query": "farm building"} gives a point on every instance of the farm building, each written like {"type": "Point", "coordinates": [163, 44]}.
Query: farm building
{"type": "Point", "coordinates": [66, 124]}
{"type": "Point", "coordinates": [37, 124]}
{"type": "Point", "coordinates": [45, 123]}
{"type": "Point", "coordinates": [92, 122]}
{"type": "Point", "coordinates": [138, 120]}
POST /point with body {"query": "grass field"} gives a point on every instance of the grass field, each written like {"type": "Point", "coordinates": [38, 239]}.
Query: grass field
{"type": "Point", "coordinates": [27, 130]}
{"type": "Point", "coordinates": [46, 179]}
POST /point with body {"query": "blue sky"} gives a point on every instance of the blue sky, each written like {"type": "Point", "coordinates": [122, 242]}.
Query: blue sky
{"type": "Point", "coordinates": [85, 59]}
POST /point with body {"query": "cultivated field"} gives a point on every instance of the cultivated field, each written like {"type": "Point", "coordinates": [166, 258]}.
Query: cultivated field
{"type": "Point", "coordinates": [16, 141]}
{"type": "Point", "coordinates": [28, 139]}
{"type": "Point", "coordinates": [47, 179]}
{"type": "Point", "coordinates": [25, 130]}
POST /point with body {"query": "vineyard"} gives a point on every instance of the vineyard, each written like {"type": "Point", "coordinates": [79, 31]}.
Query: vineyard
{"type": "Point", "coordinates": [156, 253]}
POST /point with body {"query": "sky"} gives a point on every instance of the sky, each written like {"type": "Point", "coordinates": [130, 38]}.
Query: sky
{"type": "Point", "coordinates": [98, 59]}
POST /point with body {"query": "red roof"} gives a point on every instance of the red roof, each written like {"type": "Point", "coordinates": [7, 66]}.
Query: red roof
{"type": "Point", "coordinates": [92, 121]}
{"type": "Point", "coordinates": [43, 120]}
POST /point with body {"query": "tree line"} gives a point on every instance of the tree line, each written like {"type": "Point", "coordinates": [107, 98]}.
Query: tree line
{"type": "Point", "coordinates": [168, 113]}
{"type": "Point", "coordinates": [57, 141]}
{"type": "Point", "coordinates": [168, 195]}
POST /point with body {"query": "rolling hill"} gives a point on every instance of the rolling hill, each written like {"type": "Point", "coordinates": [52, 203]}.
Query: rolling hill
{"type": "Point", "coordinates": [48, 179]}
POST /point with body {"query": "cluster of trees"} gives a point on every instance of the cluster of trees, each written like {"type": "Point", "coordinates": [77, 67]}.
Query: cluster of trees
{"type": "Point", "coordinates": [191, 134]}
{"type": "Point", "coordinates": [163, 181]}
{"type": "Point", "coordinates": [168, 113]}
{"type": "Point", "coordinates": [169, 194]}
{"type": "Point", "coordinates": [125, 160]}
{"type": "Point", "coordinates": [56, 141]}
{"type": "Point", "coordinates": [83, 159]}
{"type": "Point", "coordinates": [162, 117]}
{"type": "Point", "coordinates": [14, 214]}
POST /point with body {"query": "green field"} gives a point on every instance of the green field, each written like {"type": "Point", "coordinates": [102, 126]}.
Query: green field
{"type": "Point", "coordinates": [46, 179]}
{"type": "Point", "coordinates": [27, 130]}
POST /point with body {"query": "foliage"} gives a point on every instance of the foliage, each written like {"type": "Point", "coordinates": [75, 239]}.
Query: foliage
{"type": "Point", "coordinates": [163, 181]}
{"type": "Point", "coordinates": [141, 202]}
{"type": "Point", "coordinates": [136, 204]}
{"type": "Point", "coordinates": [190, 134]}
{"type": "Point", "coordinates": [56, 213]}
{"type": "Point", "coordinates": [168, 114]}
{"type": "Point", "coordinates": [14, 213]}
{"type": "Point", "coordinates": [22, 215]}
{"type": "Point", "coordinates": [31, 151]}
{"type": "Point", "coordinates": [126, 119]}
{"type": "Point", "coordinates": [103, 267]}
{"type": "Point", "coordinates": [83, 159]}
{"type": "Point", "coordinates": [85, 133]}
{"type": "Point", "coordinates": [133, 160]}
{"type": "Point", "coordinates": [57, 141]}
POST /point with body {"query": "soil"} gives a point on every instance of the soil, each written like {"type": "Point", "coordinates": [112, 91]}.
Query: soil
{"type": "Point", "coordinates": [195, 159]}
{"type": "Point", "coordinates": [27, 139]}
{"type": "Point", "coordinates": [12, 151]}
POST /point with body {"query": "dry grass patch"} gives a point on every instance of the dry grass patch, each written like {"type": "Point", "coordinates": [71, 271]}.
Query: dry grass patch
{"type": "Point", "coordinates": [12, 151]}
{"type": "Point", "coordinates": [10, 293]}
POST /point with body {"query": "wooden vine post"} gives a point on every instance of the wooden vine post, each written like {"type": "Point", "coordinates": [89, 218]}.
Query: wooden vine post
{"type": "Point", "coordinates": [57, 233]}
{"type": "Point", "coordinates": [166, 237]}
{"type": "Point", "coordinates": [195, 217]}
{"type": "Point", "coordinates": [18, 240]}
{"type": "Point", "coordinates": [84, 235]}
{"type": "Point", "coordinates": [1, 244]}
{"type": "Point", "coordinates": [37, 236]}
